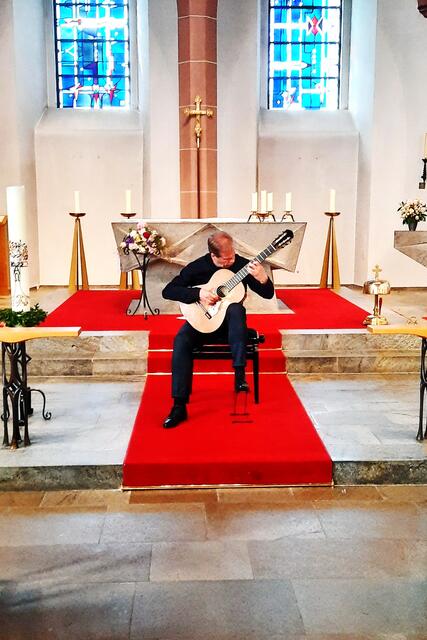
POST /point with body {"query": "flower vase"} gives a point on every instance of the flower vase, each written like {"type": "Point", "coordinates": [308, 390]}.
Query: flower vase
{"type": "Point", "coordinates": [412, 225]}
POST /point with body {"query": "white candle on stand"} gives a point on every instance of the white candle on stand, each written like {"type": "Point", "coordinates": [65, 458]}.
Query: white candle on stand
{"type": "Point", "coordinates": [332, 194]}
{"type": "Point", "coordinates": [76, 201]}
{"type": "Point", "coordinates": [254, 202]}
{"type": "Point", "coordinates": [425, 146]}
{"type": "Point", "coordinates": [17, 229]}
{"type": "Point", "coordinates": [128, 201]}
{"type": "Point", "coordinates": [288, 201]}
{"type": "Point", "coordinates": [263, 202]}
{"type": "Point", "coordinates": [269, 201]}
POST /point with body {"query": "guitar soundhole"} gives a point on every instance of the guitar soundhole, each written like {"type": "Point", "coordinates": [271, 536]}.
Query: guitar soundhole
{"type": "Point", "coordinates": [222, 291]}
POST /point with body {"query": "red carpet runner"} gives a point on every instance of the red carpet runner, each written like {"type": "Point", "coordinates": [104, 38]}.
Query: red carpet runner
{"type": "Point", "coordinates": [275, 443]}
{"type": "Point", "coordinates": [278, 444]}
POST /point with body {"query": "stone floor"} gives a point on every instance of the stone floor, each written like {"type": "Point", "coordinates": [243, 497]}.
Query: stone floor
{"type": "Point", "coordinates": [227, 564]}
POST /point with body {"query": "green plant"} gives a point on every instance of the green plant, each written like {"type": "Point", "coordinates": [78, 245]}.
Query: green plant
{"type": "Point", "coordinates": [29, 318]}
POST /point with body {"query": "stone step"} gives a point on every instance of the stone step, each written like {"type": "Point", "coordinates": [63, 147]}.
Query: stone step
{"type": "Point", "coordinates": [119, 355]}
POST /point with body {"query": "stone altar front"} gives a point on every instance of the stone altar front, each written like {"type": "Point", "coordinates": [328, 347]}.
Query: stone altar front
{"type": "Point", "coordinates": [187, 240]}
{"type": "Point", "coordinates": [413, 244]}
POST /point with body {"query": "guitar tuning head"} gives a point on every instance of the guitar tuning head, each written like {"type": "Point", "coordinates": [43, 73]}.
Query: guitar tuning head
{"type": "Point", "coordinates": [283, 239]}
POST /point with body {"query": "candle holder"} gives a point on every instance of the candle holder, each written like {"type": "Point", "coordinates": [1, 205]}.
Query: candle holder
{"type": "Point", "coordinates": [261, 216]}
{"type": "Point", "coordinates": [128, 215]}
{"type": "Point", "coordinates": [422, 184]}
{"type": "Point", "coordinates": [287, 216]}
{"type": "Point", "coordinates": [78, 259]}
{"type": "Point", "coordinates": [330, 251]}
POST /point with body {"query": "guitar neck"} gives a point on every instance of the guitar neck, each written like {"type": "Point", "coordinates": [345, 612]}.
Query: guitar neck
{"type": "Point", "coordinates": [243, 272]}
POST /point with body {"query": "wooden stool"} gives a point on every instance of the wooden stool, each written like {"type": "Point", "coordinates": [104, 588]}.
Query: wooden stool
{"type": "Point", "coordinates": [218, 350]}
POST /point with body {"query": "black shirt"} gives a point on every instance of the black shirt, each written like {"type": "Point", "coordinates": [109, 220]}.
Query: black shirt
{"type": "Point", "coordinates": [199, 272]}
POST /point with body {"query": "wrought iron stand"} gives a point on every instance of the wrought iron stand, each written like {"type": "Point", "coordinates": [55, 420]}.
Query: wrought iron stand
{"type": "Point", "coordinates": [143, 266]}
{"type": "Point", "coordinates": [16, 389]}
{"type": "Point", "coordinates": [423, 389]}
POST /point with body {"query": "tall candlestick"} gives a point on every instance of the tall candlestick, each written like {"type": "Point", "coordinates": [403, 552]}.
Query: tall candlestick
{"type": "Point", "coordinates": [288, 201]}
{"type": "Point", "coordinates": [128, 194]}
{"type": "Point", "coordinates": [76, 201]}
{"type": "Point", "coordinates": [254, 202]}
{"type": "Point", "coordinates": [263, 202]}
{"type": "Point", "coordinates": [332, 194]}
{"type": "Point", "coordinates": [425, 146]}
{"type": "Point", "coordinates": [17, 227]}
{"type": "Point", "coordinates": [269, 201]}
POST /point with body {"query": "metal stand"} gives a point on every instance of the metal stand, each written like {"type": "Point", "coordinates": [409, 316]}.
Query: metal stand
{"type": "Point", "coordinates": [15, 389]}
{"type": "Point", "coordinates": [143, 266]}
{"type": "Point", "coordinates": [422, 433]}
{"type": "Point", "coordinates": [129, 279]}
{"type": "Point", "coordinates": [261, 217]}
{"type": "Point", "coordinates": [287, 217]}
{"type": "Point", "coordinates": [330, 250]}
{"type": "Point", "coordinates": [78, 259]}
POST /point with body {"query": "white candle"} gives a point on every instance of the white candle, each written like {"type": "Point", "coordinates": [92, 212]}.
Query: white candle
{"type": "Point", "coordinates": [288, 201]}
{"type": "Point", "coordinates": [254, 202]}
{"type": "Point", "coordinates": [128, 194]}
{"type": "Point", "coordinates": [17, 229]}
{"type": "Point", "coordinates": [263, 202]}
{"type": "Point", "coordinates": [332, 194]}
{"type": "Point", "coordinates": [76, 201]}
{"type": "Point", "coordinates": [269, 201]}
{"type": "Point", "coordinates": [425, 146]}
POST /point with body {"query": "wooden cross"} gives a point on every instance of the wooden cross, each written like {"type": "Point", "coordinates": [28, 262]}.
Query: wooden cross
{"type": "Point", "coordinates": [198, 112]}
{"type": "Point", "coordinates": [376, 271]}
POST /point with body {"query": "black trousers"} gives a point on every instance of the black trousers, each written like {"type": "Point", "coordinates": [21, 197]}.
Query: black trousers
{"type": "Point", "coordinates": [233, 331]}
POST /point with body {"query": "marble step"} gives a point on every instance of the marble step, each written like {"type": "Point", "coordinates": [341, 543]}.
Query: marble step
{"type": "Point", "coordinates": [120, 355]}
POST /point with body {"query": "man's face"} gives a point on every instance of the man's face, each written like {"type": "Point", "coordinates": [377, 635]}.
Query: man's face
{"type": "Point", "coordinates": [226, 257]}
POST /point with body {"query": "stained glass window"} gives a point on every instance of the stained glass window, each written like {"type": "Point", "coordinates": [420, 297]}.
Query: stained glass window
{"type": "Point", "coordinates": [92, 53]}
{"type": "Point", "coordinates": [304, 54]}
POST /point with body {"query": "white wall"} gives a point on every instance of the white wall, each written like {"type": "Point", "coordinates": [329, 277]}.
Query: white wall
{"type": "Point", "coordinates": [102, 154]}
{"type": "Point", "coordinates": [399, 124]}
{"type": "Point", "coordinates": [238, 105]}
{"type": "Point", "coordinates": [23, 91]}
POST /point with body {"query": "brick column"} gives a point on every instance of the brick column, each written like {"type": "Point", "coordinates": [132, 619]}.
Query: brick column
{"type": "Point", "coordinates": [197, 62]}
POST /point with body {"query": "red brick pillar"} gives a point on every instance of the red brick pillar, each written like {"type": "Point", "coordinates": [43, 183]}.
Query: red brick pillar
{"type": "Point", "coordinates": [197, 62]}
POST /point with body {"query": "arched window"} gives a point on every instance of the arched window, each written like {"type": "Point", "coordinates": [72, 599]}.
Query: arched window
{"type": "Point", "coordinates": [305, 54]}
{"type": "Point", "coordinates": [92, 53]}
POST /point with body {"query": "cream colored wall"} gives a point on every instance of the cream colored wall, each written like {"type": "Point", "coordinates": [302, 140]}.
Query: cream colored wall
{"type": "Point", "coordinates": [23, 98]}
{"type": "Point", "coordinates": [103, 154]}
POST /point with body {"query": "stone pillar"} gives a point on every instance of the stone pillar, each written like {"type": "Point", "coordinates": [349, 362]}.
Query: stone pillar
{"type": "Point", "coordinates": [197, 62]}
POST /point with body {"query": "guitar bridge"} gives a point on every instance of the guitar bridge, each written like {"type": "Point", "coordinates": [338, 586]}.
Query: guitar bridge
{"type": "Point", "coordinates": [205, 311]}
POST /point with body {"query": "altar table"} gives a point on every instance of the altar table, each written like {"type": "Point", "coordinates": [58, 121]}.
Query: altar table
{"type": "Point", "coordinates": [186, 240]}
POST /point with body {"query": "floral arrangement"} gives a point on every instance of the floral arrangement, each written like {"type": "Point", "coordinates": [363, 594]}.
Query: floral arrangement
{"type": "Point", "coordinates": [31, 318]}
{"type": "Point", "coordinates": [412, 211]}
{"type": "Point", "coordinates": [143, 240]}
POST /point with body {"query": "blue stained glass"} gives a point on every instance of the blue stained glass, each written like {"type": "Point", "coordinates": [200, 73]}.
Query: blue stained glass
{"type": "Point", "coordinates": [304, 54]}
{"type": "Point", "coordinates": [92, 53]}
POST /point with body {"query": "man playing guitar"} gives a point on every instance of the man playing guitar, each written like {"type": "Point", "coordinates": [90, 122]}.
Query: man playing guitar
{"type": "Point", "coordinates": [192, 287]}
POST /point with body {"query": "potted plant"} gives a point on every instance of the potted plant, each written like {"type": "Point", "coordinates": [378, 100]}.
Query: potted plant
{"type": "Point", "coordinates": [412, 212]}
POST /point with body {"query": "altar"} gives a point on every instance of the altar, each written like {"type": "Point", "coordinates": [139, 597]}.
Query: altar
{"type": "Point", "coordinates": [187, 240]}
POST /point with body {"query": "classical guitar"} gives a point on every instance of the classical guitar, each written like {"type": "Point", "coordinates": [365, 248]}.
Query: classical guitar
{"type": "Point", "coordinates": [229, 288]}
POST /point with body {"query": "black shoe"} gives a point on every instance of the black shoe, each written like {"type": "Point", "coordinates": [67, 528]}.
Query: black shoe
{"type": "Point", "coordinates": [177, 415]}
{"type": "Point", "coordinates": [241, 386]}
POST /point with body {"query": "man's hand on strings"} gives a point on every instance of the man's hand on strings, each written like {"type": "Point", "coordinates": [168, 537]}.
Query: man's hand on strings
{"type": "Point", "coordinates": [207, 297]}
{"type": "Point", "coordinates": [256, 270]}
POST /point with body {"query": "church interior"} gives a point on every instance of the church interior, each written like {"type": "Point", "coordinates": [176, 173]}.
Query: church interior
{"type": "Point", "coordinates": [133, 130]}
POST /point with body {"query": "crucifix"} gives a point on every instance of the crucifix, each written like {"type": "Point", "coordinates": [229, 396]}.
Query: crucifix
{"type": "Point", "coordinates": [198, 113]}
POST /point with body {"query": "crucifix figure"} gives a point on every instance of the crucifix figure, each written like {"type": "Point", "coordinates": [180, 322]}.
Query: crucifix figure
{"type": "Point", "coordinates": [377, 269]}
{"type": "Point", "coordinates": [198, 113]}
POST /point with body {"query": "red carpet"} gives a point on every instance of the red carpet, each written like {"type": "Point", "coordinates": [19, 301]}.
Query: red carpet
{"type": "Point", "coordinates": [279, 446]}
{"type": "Point", "coordinates": [105, 310]}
